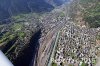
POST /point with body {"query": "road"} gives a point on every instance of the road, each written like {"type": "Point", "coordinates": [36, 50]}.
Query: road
{"type": "Point", "coordinates": [47, 46]}
{"type": "Point", "coordinates": [53, 50]}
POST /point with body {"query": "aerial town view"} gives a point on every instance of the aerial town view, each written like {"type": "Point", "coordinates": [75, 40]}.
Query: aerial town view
{"type": "Point", "coordinates": [49, 33]}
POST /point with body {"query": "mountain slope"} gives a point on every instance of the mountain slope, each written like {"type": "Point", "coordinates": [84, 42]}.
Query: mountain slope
{"type": "Point", "coordinates": [15, 7]}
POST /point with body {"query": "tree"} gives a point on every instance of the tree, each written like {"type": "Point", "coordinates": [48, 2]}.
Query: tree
{"type": "Point", "coordinates": [54, 64]}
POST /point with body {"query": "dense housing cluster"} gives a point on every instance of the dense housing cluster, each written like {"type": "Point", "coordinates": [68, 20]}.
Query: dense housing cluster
{"type": "Point", "coordinates": [76, 46]}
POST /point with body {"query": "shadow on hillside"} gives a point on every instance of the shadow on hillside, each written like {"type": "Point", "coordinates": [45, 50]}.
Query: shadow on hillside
{"type": "Point", "coordinates": [29, 53]}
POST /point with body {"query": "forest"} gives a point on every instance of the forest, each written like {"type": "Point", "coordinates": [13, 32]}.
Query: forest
{"type": "Point", "coordinates": [91, 12]}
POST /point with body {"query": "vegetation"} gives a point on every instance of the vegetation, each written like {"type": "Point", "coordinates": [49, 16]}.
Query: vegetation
{"type": "Point", "coordinates": [18, 16]}
{"type": "Point", "coordinates": [70, 65]}
{"type": "Point", "coordinates": [6, 37]}
{"type": "Point", "coordinates": [54, 64]}
{"type": "Point", "coordinates": [94, 61]}
{"type": "Point", "coordinates": [98, 37]}
{"type": "Point", "coordinates": [62, 14]}
{"type": "Point", "coordinates": [2, 40]}
{"type": "Point", "coordinates": [11, 36]}
{"type": "Point", "coordinates": [91, 12]}
{"type": "Point", "coordinates": [17, 26]}
{"type": "Point", "coordinates": [84, 64]}
{"type": "Point", "coordinates": [21, 35]}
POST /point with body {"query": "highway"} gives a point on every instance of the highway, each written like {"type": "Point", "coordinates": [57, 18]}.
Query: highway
{"type": "Point", "coordinates": [47, 47]}
{"type": "Point", "coordinates": [53, 49]}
